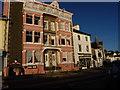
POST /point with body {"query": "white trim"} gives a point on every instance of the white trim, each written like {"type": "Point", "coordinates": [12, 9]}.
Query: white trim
{"type": "Point", "coordinates": [47, 24]}
{"type": "Point", "coordinates": [24, 50]}
{"type": "Point", "coordinates": [32, 64]}
{"type": "Point", "coordinates": [31, 43]}
{"type": "Point", "coordinates": [51, 48]}
{"type": "Point", "coordinates": [66, 62]}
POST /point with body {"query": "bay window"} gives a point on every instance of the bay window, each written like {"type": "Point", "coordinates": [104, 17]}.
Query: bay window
{"type": "Point", "coordinates": [45, 25]}
{"type": "Point", "coordinates": [61, 25]}
{"type": "Point", "coordinates": [67, 26]}
{"type": "Point", "coordinates": [52, 26]}
{"type": "Point", "coordinates": [46, 39]}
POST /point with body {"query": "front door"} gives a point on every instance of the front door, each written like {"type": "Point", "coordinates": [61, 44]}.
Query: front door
{"type": "Point", "coordinates": [50, 59]}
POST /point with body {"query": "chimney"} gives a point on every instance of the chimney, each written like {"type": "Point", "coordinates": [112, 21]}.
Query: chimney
{"type": "Point", "coordinates": [76, 27]}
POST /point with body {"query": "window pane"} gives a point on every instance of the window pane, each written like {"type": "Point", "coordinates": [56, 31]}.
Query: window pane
{"type": "Point", "coordinates": [52, 42]}
{"type": "Point", "coordinates": [64, 56]}
{"type": "Point", "coordinates": [28, 36]}
{"type": "Point", "coordinates": [86, 38]}
{"type": "Point", "coordinates": [61, 25]}
{"type": "Point", "coordinates": [29, 57]}
{"type": "Point", "coordinates": [45, 25]}
{"type": "Point", "coordinates": [46, 40]}
{"type": "Point", "coordinates": [63, 41]}
{"type": "Point", "coordinates": [80, 49]}
{"type": "Point", "coordinates": [29, 19]}
{"type": "Point", "coordinates": [37, 37]}
{"type": "Point", "coordinates": [67, 27]}
{"type": "Point", "coordinates": [68, 42]}
{"type": "Point", "coordinates": [37, 20]}
{"type": "Point", "coordinates": [52, 26]}
{"type": "Point", "coordinates": [78, 37]}
{"type": "Point", "coordinates": [87, 48]}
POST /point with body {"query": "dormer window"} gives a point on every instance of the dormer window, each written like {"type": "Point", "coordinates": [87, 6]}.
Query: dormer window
{"type": "Point", "coordinates": [55, 4]}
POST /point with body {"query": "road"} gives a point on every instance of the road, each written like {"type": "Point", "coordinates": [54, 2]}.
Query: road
{"type": "Point", "coordinates": [91, 78]}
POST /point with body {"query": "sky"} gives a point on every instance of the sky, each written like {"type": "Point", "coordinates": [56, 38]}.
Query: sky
{"type": "Point", "coordinates": [96, 18]}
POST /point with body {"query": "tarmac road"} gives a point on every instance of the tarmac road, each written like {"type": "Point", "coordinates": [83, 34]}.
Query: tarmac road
{"type": "Point", "coordinates": [90, 78]}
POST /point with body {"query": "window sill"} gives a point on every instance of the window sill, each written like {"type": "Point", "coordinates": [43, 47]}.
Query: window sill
{"type": "Point", "coordinates": [30, 43]}
{"type": "Point", "coordinates": [67, 62]}
{"type": "Point", "coordinates": [32, 64]}
{"type": "Point", "coordinates": [33, 25]}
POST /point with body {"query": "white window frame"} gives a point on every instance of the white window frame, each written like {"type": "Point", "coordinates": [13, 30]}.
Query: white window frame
{"type": "Point", "coordinates": [26, 37]}
{"type": "Point", "coordinates": [32, 19]}
{"type": "Point", "coordinates": [38, 20]}
{"type": "Point", "coordinates": [47, 43]}
{"type": "Point", "coordinates": [47, 25]}
{"type": "Point", "coordinates": [52, 28]}
{"type": "Point", "coordinates": [67, 27]}
{"type": "Point", "coordinates": [62, 25]}
{"type": "Point", "coordinates": [53, 37]}
{"type": "Point", "coordinates": [39, 39]}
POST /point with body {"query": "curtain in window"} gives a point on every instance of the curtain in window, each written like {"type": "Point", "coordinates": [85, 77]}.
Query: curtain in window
{"type": "Point", "coordinates": [29, 57]}
{"type": "Point", "coordinates": [37, 56]}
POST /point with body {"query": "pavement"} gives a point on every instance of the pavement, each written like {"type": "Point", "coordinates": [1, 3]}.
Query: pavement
{"type": "Point", "coordinates": [86, 78]}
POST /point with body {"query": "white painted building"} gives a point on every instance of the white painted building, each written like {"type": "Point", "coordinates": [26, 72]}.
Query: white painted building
{"type": "Point", "coordinates": [82, 48]}
{"type": "Point", "coordinates": [98, 55]}
{"type": "Point", "coordinates": [112, 56]}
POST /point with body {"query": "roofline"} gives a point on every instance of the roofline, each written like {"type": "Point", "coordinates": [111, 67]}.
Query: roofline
{"type": "Point", "coordinates": [76, 31]}
{"type": "Point", "coordinates": [38, 2]}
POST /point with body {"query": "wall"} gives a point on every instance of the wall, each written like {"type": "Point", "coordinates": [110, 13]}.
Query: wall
{"type": "Point", "coordinates": [15, 32]}
{"type": "Point", "coordinates": [81, 42]}
{"type": "Point", "coordinates": [2, 32]}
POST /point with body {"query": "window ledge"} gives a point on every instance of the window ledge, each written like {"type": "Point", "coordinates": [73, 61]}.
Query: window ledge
{"type": "Point", "coordinates": [67, 62]}
{"type": "Point", "coordinates": [32, 64]}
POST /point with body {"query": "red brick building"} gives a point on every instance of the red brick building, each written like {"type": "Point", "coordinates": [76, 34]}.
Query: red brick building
{"type": "Point", "coordinates": [40, 37]}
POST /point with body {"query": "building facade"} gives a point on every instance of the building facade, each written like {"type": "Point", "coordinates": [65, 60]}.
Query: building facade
{"type": "Point", "coordinates": [112, 56]}
{"type": "Point", "coordinates": [98, 54]}
{"type": "Point", "coordinates": [3, 41]}
{"type": "Point", "coordinates": [40, 37]}
{"type": "Point", "coordinates": [82, 48]}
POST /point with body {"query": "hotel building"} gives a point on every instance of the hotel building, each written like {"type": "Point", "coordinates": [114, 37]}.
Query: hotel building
{"type": "Point", "coordinates": [40, 37]}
